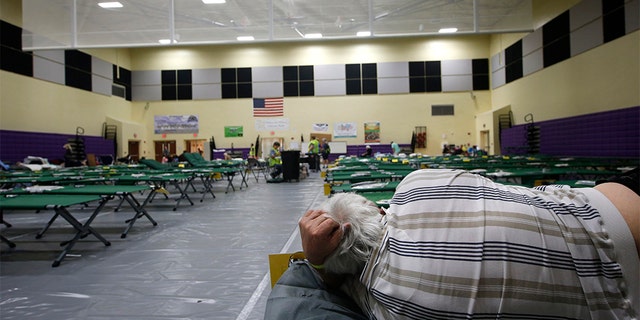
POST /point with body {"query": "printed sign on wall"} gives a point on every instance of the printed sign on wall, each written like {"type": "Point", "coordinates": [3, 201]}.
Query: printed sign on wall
{"type": "Point", "coordinates": [175, 124]}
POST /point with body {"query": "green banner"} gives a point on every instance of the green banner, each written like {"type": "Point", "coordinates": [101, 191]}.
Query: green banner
{"type": "Point", "coordinates": [232, 131]}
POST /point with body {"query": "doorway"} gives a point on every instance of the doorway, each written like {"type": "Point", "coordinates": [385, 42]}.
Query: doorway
{"type": "Point", "coordinates": [164, 149]}
{"type": "Point", "coordinates": [485, 141]}
{"type": "Point", "coordinates": [196, 145]}
{"type": "Point", "coordinates": [134, 150]}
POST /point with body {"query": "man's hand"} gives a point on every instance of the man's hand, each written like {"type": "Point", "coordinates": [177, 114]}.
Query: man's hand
{"type": "Point", "coordinates": [320, 235]}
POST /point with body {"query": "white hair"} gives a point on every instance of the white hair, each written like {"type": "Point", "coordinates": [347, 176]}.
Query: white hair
{"type": "Point", "coordinates": [359, 241]}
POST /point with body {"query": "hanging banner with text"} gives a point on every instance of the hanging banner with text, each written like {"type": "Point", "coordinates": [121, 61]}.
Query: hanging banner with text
{"type": "Point", "coordinates": [272, 124]}
{"type": "Point", "coordinates": [175, 124]}
{"type": "Point", "coordinates": [345, 130]}
{"type": "Point", "coordinates": [233, 131]}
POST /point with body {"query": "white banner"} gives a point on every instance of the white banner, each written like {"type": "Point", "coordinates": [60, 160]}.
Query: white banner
{"type": "Point", "coordinates": [345, 130]}
{"type": "Point", "coordinates": [272, 124]}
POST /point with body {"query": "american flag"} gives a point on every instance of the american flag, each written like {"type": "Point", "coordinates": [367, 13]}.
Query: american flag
{"type": "Point", "coordinates": [268, 107]}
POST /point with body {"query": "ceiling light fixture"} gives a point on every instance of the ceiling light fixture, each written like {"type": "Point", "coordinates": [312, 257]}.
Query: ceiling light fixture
{"type": "Point", "coordinates": [363, 33]}
{"type": "Point", "coordinates": [213, 1]}
{"type": "Point", "coordinates": [245, 38]}
{"type": "Point", "coordinates": [313, 35]}
{"type": "Point", "coordinates": [110, 5]}
{"type": "Point", "coordinates": [448, 30]}
{"type": "Point", "coordinates": [167, 41]}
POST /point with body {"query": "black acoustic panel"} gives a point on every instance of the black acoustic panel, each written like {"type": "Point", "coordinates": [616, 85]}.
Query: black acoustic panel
{"type": "Point", "coordinates": [10, 36]}
{"type": "Point", "coordinates": [608, 6]}
{"type": "Point", "coordinates": [306, 73]}
{"type": "Point", "coordinates": [229, 91]}
{"type": "Point", "coordinates": [434, 84]}
{"type": "Point", "coordinates": [306, 89]}
{"type": "Point", "coordinates": [77, 60]}
{"type": "Point", "coordinates": [417, 84]}
{"type": "Point", "coordinates": [481, 82]}
{"type": "Point", "coordinates": [16, 61]}
{"type": "Point", "coordinates": [244, 75]}
{"type": "Point", "coordinates": [557, 51]}
{"type": "Point", "coordinates": [480, 66]}
{"type": "Point", "coordinates": [613, 24]}
{"type": "Point", "coordinates": [185, 92]}
{"type": "Point", "coordinates": [433, 68]}
{"type": "Point", "coordinates": [290, 89]}
{"type": "Point", "coordinates": [77, 78]}
{"type": "Point", "coordinates": [417, 69]}
{"type": "Point", "coordinates": [184, 77]}
{"type": "Point", "coordinates": [168, 77]}
{"type": "Point", "coordinates": [354, 86]}
{"type": "Point", "coordinates": [513, 71]}
{"type": "Point", "coordinates": [557, 28]}
{"type": "Point", "coordinates": [169, 92]}
{"type": "Point", "coordinates": [513, 53]}
{"type": "Point", "coordinates": [228, 75]}
{"type": "Point", "coordinates": [245, 90]}
{"type": "Point", "coordinates": [369, 86]}
{"type": "Point", "coordinates": [290, 73]}
{"type": "Point", "coordinates": [352, 71]}
{"type": "Point", "coordinates": [124, 80]}
{"type": "Point", "coordinates": [369, 71]}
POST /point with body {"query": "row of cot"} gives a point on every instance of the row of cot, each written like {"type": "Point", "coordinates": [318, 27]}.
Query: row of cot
{"type": "Point", "coordinates": [377, 178]}
{"type": "Point", "coordinates": [61, 191]}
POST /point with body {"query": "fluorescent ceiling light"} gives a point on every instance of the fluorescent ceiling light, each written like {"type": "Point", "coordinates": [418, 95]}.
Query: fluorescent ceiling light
{"type": "Point", "coordinates": [313, 35]}
{"type": "Point", "coordinates": [363, 33]}
{"type": "Point", "coordinates": [167, 41]}
{"type": "Point", "coordinates": [245, 38]}
{"type": "Point", "coordinates": [110, 5]}
{"type": "Point", "coordinates": [213, 1]}
{"type": "Point", "coordinates": [448, 30]}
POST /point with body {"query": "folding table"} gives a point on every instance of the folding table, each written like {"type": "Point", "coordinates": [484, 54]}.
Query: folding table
{"type": "Point", "coordinates": [58, 203]}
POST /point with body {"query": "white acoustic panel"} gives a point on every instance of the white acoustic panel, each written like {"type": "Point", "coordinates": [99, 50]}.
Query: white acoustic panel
{"type": "Point", "coordinates": [146, 93]}
{"type": "Point", "coordinates": [457, 83]}
{"type": "Point", "coordinates": [330, 87]}
{"type": "Point", "coordinates": [587, 37]}
{"type": "Point", "coordinates": [532, 42]}
{"type": "Point", "coordinates": [393, 85]}
{"type": "Point", "coordinates": [206, 91]}
{"type": "Point", "coordinates": [329, 72]}
{"type": "Point", "coordinates": [497, 61]}
{"type": "Point", "coordinates": [204, 76]}
{"type": "Point", "coordinates": [456, 67]}
{"type": "Point", "coordinates": [146, 77]}
{"type": "Point", "coordinates": [101, 85]}
{"type": "Point", "coordinates": [584, 12]}
{"type": "Point", "coordinates": [498, 78]}
{"type": "Point", "coordinates": [101, 68]}
{"type": "Point", "coordinates": [45, 69]}
{"type": "Point", "coordinates": [53, 55]}
{"type": "Point", "coordinates": [266, 74]}
{"type": "Point", "coordinates": [393, 69]}
{"type": "Point", "coordinates": [532, 62]}
{"type": "Point", "coordinates": [267, 89]}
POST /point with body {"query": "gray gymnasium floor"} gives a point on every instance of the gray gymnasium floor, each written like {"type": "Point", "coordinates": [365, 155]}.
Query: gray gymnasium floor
{"type": "Point", "coordinates": [206, 261]}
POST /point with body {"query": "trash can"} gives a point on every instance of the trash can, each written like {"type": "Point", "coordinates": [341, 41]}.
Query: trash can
{"type": "Point", "coordinates": [290, 165]}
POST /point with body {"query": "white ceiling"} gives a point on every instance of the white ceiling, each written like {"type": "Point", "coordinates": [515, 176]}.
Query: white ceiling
{"type": "Point", "coordinates": [83, 24]}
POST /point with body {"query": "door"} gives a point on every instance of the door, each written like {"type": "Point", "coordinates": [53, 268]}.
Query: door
{"type": "Point", "coordinates": [485, 142]}
{"type": "Point", "coordinates": [164, 149]}
{"type": "Point", "coordinates": [134, 150]}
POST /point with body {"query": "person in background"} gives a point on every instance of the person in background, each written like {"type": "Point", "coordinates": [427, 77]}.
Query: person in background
{"type": "Point", "coordinates": [325, 150]}
{"type": "Point", "coordinates": [275, 161]}
{"type": "Point", "coordinates": [456, 245]}
{"type": "Point", "coordinates": [367, 152]}
{"type": "Point", "coordinates": [71, 159]}
{"type": "Point", "coordinates": [312, 150]}
{"type": "Point", "coordinates": [252, 152]}
{"type": "Point", "coordinates": [395, 148]}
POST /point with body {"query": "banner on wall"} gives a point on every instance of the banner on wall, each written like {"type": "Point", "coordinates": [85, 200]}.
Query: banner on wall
{"type": "Point", "coordinates": [372, 132]}
{"type": "Point", "coordinates": [175, 124]}
{"type": "Point", "coordinates": [233, 131]}
{"type": "Point", "coordinates": [345, 130]}
{"type": "Point", "coordinates": [272, 124]}
{"type": "Point", "coordinates": [320, 127]}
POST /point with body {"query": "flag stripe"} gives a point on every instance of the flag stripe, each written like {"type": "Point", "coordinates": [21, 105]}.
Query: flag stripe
{"type": "Point", "coordinates": [268, 107]}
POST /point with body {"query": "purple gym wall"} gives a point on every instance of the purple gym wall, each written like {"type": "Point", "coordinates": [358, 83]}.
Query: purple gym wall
{"type": "Point", "coordinates": [17, 145]}
{"type": "Point", "coordinates": [613, 133]}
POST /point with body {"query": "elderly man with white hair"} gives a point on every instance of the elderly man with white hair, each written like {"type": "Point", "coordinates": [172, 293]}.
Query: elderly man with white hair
{"type": "Point", "coordinates": [455, 245]}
